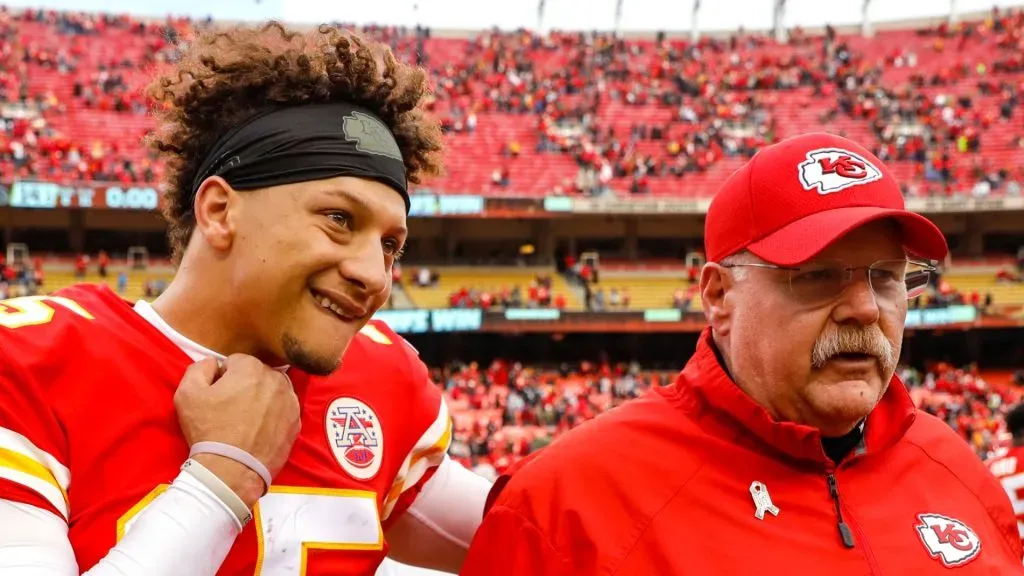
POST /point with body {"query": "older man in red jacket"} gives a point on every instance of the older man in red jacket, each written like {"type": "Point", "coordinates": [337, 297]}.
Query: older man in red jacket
{"type": "Point", "coordinates": [787, 445]}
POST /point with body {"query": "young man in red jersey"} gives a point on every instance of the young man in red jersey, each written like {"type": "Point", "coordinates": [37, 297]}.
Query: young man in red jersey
{"type": "Point", "coordinates": [1009, 468]}
{"type": "Point", "coordinates": [125, 450]}
{"type": "Point", "coordinates": [786, 445]}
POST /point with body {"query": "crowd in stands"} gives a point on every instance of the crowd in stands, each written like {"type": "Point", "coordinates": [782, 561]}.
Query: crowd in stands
{"type": "Point", "coordinates": [928, 119]}
{"type": "Point", "coordinates": [945, 295]}
{"type": "Point", "coordinates": [941, 294]}
{"type": "Point", "coordinates": [30, 145]}
{"type": "Point", "coordinates": [425, 277]}
{"type": "Point", "coordinates": [704, 124]}
{"type": "Point", "coordinates": [683, 298]}
{"type": "Point", "coordinates": [585, 274]}
{"type": "Point", "coordinates": [702, 101]}
{"type": "Point", "coordinates": [505, 411]}
{"type": "Point", "coordinates": [614, 299]}
{"type": "Point", "coordinates": [720, 94]}
{"type": "Point", "coordinates": [20, 278]}
{"type": "Point", "coordinates": [963, 399]}
{"type": "Point", "coordinates": [538, 294]}
{"type": "Point", "coordinates": [25, 276]}
{"type": "Point", "coordinates": [1013, 276]}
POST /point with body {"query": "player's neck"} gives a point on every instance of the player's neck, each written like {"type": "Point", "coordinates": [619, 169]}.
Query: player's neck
{"type": "Point", "coordinates": [203, 316]}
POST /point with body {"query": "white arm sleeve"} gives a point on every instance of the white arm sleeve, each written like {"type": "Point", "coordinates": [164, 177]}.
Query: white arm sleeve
{"type": "Point", "coordinates": [185, 530]}
{"type": "Point", "coordinates": [452, 502]}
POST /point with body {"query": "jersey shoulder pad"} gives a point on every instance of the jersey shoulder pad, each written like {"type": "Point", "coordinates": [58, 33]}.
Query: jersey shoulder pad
{"type": "Point", "coordinates": [33, 325]}
{"type": "Point", "coordinates": [378, 332]}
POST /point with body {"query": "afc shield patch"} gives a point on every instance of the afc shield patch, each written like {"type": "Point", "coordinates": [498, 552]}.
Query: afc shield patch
{"type": "Point", "coordinates": [355, 436]}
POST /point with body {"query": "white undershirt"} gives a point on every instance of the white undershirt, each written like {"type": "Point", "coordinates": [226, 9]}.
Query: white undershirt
{"type": "Point", "coordinates": [192, 349]}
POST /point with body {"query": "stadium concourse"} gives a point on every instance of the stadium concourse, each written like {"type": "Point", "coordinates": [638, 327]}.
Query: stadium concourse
{"type": "Point", "coordinates": [551, 275]}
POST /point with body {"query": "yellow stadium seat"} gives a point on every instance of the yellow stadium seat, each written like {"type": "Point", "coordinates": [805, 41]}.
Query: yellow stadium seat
{"type": "Point", "coordinates": [647, 291]}
{"type": "Point", "coordinates": [56, 279]}
{"type": "Point", "coordinates": [454, 278]}
{"type": "Point", "coordinates": [1003, 294]}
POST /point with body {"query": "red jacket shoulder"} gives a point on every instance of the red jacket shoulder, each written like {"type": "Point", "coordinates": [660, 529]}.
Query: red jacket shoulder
{"type": "Point", "coordinates": [611, 476]}
{"type": "Point", "coordinates": [942, 445]}
{"type": "Point", "coordinates": [938, 439]}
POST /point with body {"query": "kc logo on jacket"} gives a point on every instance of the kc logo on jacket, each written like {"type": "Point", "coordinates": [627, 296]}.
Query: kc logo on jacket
{"type": "Point", "coordinates": [948, 540]}
{"type": "Point", "coordinates": [830, 170]}
{"type": "Point", "coordinates": [355, 436]}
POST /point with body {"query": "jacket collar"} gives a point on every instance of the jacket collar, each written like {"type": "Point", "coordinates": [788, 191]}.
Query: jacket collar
{"type": "Point", "coordinates": [704, 384]}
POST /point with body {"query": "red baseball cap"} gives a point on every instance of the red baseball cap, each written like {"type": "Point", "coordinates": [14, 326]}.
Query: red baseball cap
{"type": "Point", "coordinates": [796, 197]}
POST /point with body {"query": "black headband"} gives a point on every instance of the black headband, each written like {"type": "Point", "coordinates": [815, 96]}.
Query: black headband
{"type": "Point", "coordinates": [303, 143]}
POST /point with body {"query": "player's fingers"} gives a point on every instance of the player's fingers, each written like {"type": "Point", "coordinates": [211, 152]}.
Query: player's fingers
{"type": "Point", "coordinates": [243, 363]}
{"type": "Point", "coordinates": [201, 374]}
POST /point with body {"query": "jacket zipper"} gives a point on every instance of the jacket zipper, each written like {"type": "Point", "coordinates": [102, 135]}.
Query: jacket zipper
{"type": "Point", "coordinates": [847, 530]}
{"type": "Point", "coordinates": [844, 529]}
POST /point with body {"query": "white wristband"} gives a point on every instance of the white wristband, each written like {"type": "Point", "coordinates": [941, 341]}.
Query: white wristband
{"type": "Point", "coordinates": [236, 454]}
{"type": "Point", "coordinates": [224, 494]}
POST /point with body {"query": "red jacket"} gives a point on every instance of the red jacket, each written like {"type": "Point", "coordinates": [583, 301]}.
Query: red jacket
{"type": "Point", "coordinates": [663, 486]}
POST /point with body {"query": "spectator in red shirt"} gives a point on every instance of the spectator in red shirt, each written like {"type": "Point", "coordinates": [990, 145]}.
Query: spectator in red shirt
{"type": "Point", "coordinates": [102, 261]}
{"type": "Point", "coordinates": [560, 302]}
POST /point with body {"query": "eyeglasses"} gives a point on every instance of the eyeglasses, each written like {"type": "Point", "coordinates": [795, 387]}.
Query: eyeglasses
{"type": "Point", "coordinates": [821, 282]}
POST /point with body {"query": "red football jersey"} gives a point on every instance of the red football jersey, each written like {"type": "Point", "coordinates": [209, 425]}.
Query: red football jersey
{"type": "Point", "coordinates": [1009, 469]}
{"type": "Point", "coordinates": [88, 430]}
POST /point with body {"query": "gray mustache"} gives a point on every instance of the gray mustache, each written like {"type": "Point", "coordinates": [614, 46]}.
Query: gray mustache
{"type": "Point", "coordinates": [854, 340]}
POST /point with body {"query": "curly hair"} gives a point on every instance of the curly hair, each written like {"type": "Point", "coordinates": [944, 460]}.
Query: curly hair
{"type": "Point", "coordinates": [228, 76]}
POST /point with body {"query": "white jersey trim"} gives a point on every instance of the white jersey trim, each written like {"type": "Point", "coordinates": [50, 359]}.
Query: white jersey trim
{"type": "Point", "coordinates": [428, 452]}
{"type": "Point", "coordinates": [15, 442]}
{"type": "Point", "coordinates": [24, 463]}
{"type": "Point", "coordinates": [39, 486]}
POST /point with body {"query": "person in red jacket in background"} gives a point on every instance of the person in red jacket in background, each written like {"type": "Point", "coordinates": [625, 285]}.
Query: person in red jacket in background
{"type": "Point", "coordinates": [1009, 468]}
{"type": "Point", "coordinates": [787, 445]}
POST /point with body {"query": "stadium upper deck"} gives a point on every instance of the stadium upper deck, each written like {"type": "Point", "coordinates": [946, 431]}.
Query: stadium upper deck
{"type": "Point", "coordinates": [532, 115]}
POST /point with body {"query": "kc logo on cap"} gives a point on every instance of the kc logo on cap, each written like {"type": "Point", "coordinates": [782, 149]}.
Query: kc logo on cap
{"type": "Point", "coordinates": [830, 170]}
{"type": "Point", "coordinates": [762, 208]}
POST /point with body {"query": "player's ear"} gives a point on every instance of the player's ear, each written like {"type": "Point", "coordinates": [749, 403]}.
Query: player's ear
{"type": "Point", "coordinates": [715, 282]}
{"type": "Point", "coordinates": [213, 206]}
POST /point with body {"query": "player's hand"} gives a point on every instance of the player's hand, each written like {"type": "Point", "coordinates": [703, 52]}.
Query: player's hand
{"type": "Point", "coordinates": [246, 404]}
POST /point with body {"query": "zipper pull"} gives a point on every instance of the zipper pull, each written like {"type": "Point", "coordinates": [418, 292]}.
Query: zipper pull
{"type": "Point", "coordinates": [844, 529]}
{"type": "Point", "coordinates": [846, 534]}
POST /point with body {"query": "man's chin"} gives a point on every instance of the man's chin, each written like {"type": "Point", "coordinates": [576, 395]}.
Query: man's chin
{"type": "Point", "coordinates": [314, 360]}
{"type": "Point", "coordinates": [841, 405]}
{"type": "Point", "coordinates": [316, 365]}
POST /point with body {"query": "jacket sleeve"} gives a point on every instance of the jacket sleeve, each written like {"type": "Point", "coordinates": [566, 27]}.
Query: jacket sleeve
{"type": "Point", "coordinates": [508, 544]}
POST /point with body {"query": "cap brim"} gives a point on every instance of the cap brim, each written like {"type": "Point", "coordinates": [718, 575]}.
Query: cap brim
{"type": "Point", "coordinates": [804, 239]}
